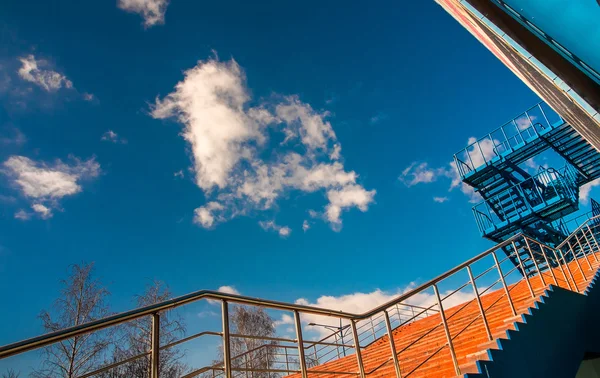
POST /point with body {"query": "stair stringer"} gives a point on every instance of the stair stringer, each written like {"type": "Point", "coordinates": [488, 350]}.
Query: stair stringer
{"type": "Point", "coordinates": [548, 341]}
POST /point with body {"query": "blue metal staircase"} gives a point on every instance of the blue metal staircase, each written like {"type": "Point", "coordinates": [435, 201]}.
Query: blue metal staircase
{"type": "Point", "coordinates": [513, 199]}
{"type": "Point", "coordinates": [525, 136]}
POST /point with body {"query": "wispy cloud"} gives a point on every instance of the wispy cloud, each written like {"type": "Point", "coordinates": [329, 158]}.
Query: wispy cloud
{"type": "Point", "coordinates": [584, 191]}
{"type": "Point", "coordinates": [377, 118]}
{"type": "Point", "coordinates": [22, 215]}
{"type": "Point", "coordinates": [179, 174]}
{"type": "Point", "coordinates": [45, 184]}
{"type": "Point", "coordinates": [152, 11]}
{"type": "Point", "coordinates": [305, 226]}
{"type": "Point", "coordinates": [417, 173]}
{"type": "Point", "coordinates": [423, 173]}
{"type": "Point", "coordinates": [89, 97]}
{"type": "Point", "coordinates": [12, 136]}
{"type": "Point", "coordinates": [227, 138]}
{"type": "Point", "coordinates": [440, 199]}
{"type": "Point", "coordinates": [284, 231]}
{"type": "Point", "coordinates": [34, 71]}
{"type": "Point", "coordinates": [111, 136]}
{"type": "Point", "coordinates": [224, 289]}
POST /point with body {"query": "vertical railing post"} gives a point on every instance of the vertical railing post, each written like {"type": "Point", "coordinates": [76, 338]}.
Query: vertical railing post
{"type": "Point", "coordinates": [560, 266]}
{"type": "Point", "coordinates": [315, 353]}
{"type": "Point", "coordinates": [398, 313]}
{"type": "Point", "coordinates": [359, 361]}
{"type": "Point", "coordinates": [481, 309]}
{"type": "Point", "coordinates": [447, 330]}
{"type": "Point", "coordinates": [388, 326]}
{"type": "Point", "coordinates": [550, 269]}
{"type": "Point", "coordinates": [301, 356]}
{"type": "Point", "coordinates": [595, 241]}
{"type": "Point", "coordinates": [531, 253]}
{"type": "Point", "coordinates": [337, 347]}
{"type": "Point", "coordinates": [510, 302]}
{"type": "Point", "coordinates": [568, 269]}
{"type": "Point", "coordinates": [583, 250]}
{"type": "Point", "coordinates": [373, 329]}
{"type": "Point", "coordinates": [523, 270]}
{"type": "Point", "coordinates": [155, 348]}
{"type": "Point", "coordinates": [287, 363]}
{"type": "Point", "coordinates": [226, 339]}
{"type": "Point", "coordinates": [576, 260]}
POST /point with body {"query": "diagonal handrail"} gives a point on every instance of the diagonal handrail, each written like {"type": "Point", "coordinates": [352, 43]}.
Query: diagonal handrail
{"type": "Point", "coordinates": [155, 309]}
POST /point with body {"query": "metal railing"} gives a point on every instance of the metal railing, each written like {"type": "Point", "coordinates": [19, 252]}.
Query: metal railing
{"type": "Point", "coordinates": [545, 188]}
{"type": "Point", "coordinates": [537, 120]}
{"type": "Point", "coordinates": [442, 317]}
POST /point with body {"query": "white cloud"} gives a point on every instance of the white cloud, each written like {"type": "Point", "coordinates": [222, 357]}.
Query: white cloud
{"type": "Point", "coordinates": [22, 215]}
{"type": "Point", "coordinates": [422, 173]}
{"type": "Point", "coordinates": [179, 174]}
{"type": "Point", "coordinates": [336, 153]}
{"type": "Point", "coordinates": [284, 231]}
{"type": "Point", "coordinates": [417, 173]}
{"type": "Point", "coordinates": [530, 163]}
{"type": "Point", "coordinates": [31, 70]}
{"type": "Point", "coordinates": [347, 197]}
{"type": "Point", "coordinates": [305, 225]}
{"type": "Point", "coordinates": [224, 289]}
{"type": "Point", "coordinates": [227, 139]}
{"type": "Point", "coordinates": [524, 122]}
{"type": "Point", "coordinates": [43, 211]}
{"type": "Point", "coordinates": [302, 120]}
{"type": "Point", "coordinates": [12, 136]}
{"type": "Point", "coordinates": [228, 290]}
{"type": "Point", "coordinates": [207, 314]}
{"type": "Point", "coordinates": [440, 199]}
{"type": "Point", "coordinates": [481, 152]}
{"type": "Point", "coordinates": [584, 191]}
{"type": "Point", "coordinates": [205, 216]}
{"type": "Point", "coordinates": [358, 303]}
{"type": "Point", "coordinates": [44, 183]}
{"type": "Point", "coordinates": [111, 136]}
{"type": "Point", "coordinates": [153, 11]}
{"type": "Point", "coordinates": [89, 97]}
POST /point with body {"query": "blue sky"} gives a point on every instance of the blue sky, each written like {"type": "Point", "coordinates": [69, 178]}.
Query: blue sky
{"type": "Point", "coordinates": [234, 176]}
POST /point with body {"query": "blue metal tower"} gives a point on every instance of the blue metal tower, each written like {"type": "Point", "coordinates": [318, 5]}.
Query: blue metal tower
{"type": "Point", "coordinates": [515, 200]}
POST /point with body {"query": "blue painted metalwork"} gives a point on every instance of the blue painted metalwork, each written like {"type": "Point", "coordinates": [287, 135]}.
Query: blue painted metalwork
{"type": "Point", "coordinates": [513, 199]}
{"type": "Point", "coordinates": [549, 195]}
{"type": "Point", "coordinates": [532, 132]}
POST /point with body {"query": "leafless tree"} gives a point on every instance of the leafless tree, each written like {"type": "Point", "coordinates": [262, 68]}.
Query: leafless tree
{"type": "Point", "coordinates": [10, 374]}
{"type": "Point", "coordinates": [136, 337]}
{"type": "Point", "coordinates": [82, 300]}
{"type": "Point", "coordinates": [256, 353]}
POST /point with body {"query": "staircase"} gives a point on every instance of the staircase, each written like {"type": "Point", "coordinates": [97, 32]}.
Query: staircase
{"type": "Point", "coordinates": [483, 318]}
{"type": "Point", "coordinates": [546, 197]}
{"type": "Point", "coordinates": [536, 130]}
{"type": "Point", "coordinates": [429, 358]}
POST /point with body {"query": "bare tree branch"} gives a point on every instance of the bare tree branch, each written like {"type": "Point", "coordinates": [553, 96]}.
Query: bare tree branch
{"type": "Point", "coordinates": [82, 300]}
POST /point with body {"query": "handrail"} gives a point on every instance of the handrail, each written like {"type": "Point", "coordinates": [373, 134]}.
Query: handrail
{"type": "Point", "coordinates": [576, 230]}
{"type": "Point", "coordinates": [377, 312]}
{"type": "Point", "coordinates": [53, 337]}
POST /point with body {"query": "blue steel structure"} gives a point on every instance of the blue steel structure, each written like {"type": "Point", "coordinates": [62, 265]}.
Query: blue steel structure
{"type": "Point", "coordinates": [513, 199]}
